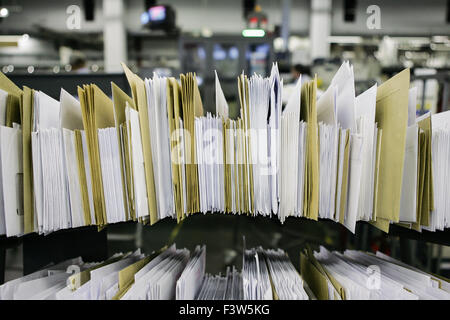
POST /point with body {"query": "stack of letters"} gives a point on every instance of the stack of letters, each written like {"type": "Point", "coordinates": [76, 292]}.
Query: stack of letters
{"type": "Point", "coordinates": [96, 160]}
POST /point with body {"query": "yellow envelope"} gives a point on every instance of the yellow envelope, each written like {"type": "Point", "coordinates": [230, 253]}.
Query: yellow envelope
{"type": "Point", "coordinates": [12, 110]}
{"type": "Point", "coordinates": [245, 166]}
{"type": "Point", "coordinates": [7, 85]}
{"type": "Point", "coordinates": [120, 99]}
{"type": "Point", "coordinates": [28, 197]}
{"type": "Point", "coordinates": [228, 164]}
{"type": "Point", "coordinates": [13, 101]}
{"type": "Point", "coordinates": [98, 113]}
{"type": "Point", "coordinates": [308, 113]}
{"type": "Point", "coordinates": [192, 107]}
{"type": "Point", "coordinates": [173, 114]}
{"type": "Point", "coordinates": [427, 201]}
{"type": "Point", "coordinates": [377, 172]}
{"type": "Point", "coordinates": [316, 281]}
{"type": "Point", "coordinates": [83, 179]}
{"type": "Point", "coordinates": [392, 116]}
{"type": "Point", "coordinates": [380, 223]}
{"type": "Point", "coordinates": [421, 182]}
{"type": "Point", "coordinates": [344, 189]}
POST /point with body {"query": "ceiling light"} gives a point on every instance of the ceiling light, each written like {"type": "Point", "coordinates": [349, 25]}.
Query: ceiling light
{"type": "Point", "coordinates": [4, 12]}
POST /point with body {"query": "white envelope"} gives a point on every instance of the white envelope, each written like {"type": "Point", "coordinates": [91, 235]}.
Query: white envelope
{"type": "Point", "coordinates": [276, 86]}
{"type": "Point", "coordinates": [345, 84]}
{"type": "Point", "coordinates": [46, 112]}
{"type": "Point", "coordinates": [221, 102]}
{"type": "Point", "coordinates": [111, 174]}
{"type": "Point", "coordinates": [70, 114]}
{"type": "Point", "coordinates": [11, 167]}
{"type": "Point", "coordinates": [412, 106]}
{"type": "Point", "coordinates": [366, 127]}
{"type": "Point", "coordinates": [160, 144]}
{"type": "Point", "coordinates": [354, 182]}
{"type": "Point", "coordinates": [76, 204]}
{"type": "Point", "coordinates": [326, 106]}
{"type": "Point", "coordinates": [135, 145]}
{"type": "Point", "coordinates": [190, 281]}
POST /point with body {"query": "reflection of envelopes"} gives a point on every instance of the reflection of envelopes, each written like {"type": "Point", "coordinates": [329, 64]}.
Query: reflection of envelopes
{"type": "Point", "coordinates": [318, 279]}
{"type": "Point", "coordinates": [78, 279]}
{"type": "Point", "coordinates": [126, 275]}
{"type": "Point", "coordinates": [392, 117]}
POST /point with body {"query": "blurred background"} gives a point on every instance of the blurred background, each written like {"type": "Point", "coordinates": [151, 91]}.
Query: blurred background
{"type": "Point", "coordinates": [47, 45]}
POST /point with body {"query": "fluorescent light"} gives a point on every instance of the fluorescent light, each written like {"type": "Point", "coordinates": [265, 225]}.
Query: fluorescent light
{"type": "Point", "coordinates": [344, 39]}
{"type": "Point", "coordinates": [440, 39]}
{"type": "Point", "coordinates": [10, 38]}
{"type": "Point", "coordinates": [255, 33]}
{"type": "Point", "coordinates": [10, 41]}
